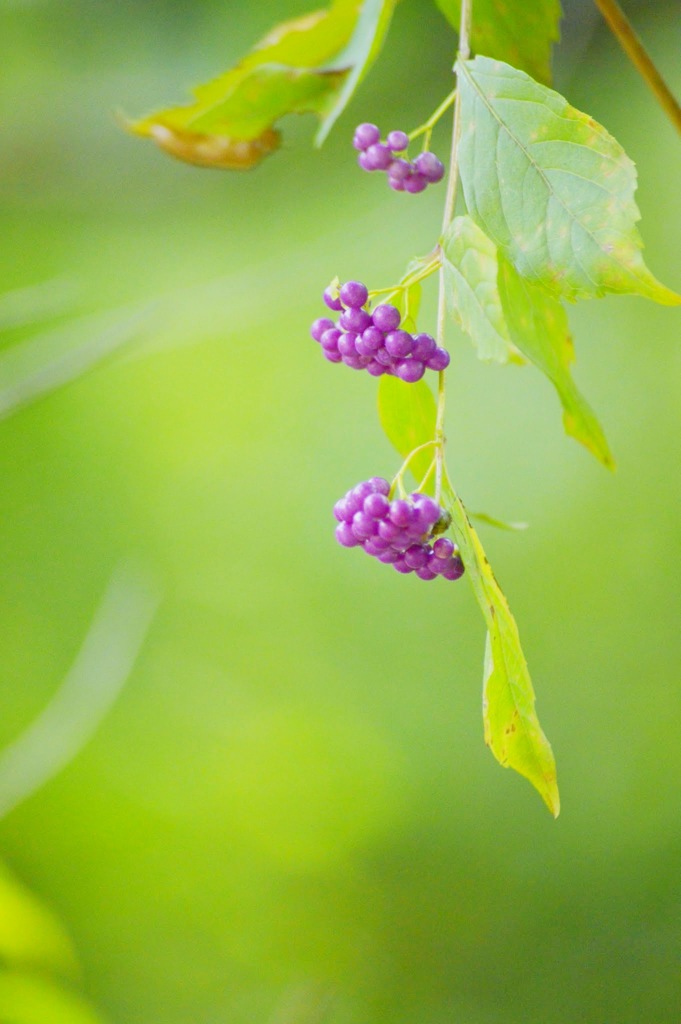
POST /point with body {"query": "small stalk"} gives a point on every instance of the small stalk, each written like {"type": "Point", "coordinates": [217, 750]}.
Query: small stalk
{"type": "Point", "coordinates": [427, 127]}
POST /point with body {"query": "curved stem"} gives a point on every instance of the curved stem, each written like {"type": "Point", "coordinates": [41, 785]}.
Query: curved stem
{"type": "Point", "coordinates": [403, 468]}
{"type": "Point", "coordinates": [626, 36]}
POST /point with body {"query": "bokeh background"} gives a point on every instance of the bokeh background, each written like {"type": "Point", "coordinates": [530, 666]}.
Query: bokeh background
{"type": "Point", "coordinates": [288, 814]}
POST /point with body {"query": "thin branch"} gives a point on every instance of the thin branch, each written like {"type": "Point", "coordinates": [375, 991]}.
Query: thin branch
{"type": "Point", "coordinates": [626, 36]}
{"type": "Point", "coordinates": [92, 684]}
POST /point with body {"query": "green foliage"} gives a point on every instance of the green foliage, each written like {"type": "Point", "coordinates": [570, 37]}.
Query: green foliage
{"type": "Point", "coordinates": [550, 186]}
{"type": "Point", "coordinates": [521, 32]}
{"type": "Point", "coordinates": [512, 729]}
{"type": "Point", "coordinates": [407, 413]}
{"type": "Point", "coordinates": [470, 262]}
{"type": "Point", "coordinates": [310, 64]}
{"type": "Point", "coordinates": [538, 325]}
{"type": "Point", "coordinates": [504, 312]}
{"type": "Point", "coordinates": [364, 46]}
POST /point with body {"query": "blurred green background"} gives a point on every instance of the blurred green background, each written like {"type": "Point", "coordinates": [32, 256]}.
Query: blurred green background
{"type": "Point", "coordinates": [289, 809]}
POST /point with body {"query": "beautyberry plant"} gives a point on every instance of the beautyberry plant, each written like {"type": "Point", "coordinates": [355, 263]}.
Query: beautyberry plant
{"type": "Point", "coordinates": [538, 209]}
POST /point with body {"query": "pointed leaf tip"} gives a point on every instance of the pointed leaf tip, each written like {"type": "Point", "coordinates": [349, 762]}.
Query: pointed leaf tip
{"type": "Point", "coordinates": [512, 729]}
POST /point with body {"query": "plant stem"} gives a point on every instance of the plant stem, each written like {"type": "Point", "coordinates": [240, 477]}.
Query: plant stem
{"type": "Point", "coordinates": [450, 202]}
{"type": "Point", "coordinates": [626, 36]}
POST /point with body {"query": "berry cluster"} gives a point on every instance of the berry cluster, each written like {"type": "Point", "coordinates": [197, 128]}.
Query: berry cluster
{"type": "Point", "coordinates": [397, 532]}
{"type": "Point", "coordinates": [373, 341]}
{"type": "Point", "coordinates": [403, 175]}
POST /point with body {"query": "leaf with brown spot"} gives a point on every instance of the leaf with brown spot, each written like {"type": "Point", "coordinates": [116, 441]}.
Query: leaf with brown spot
{"type": "Point", "coordinates": [308, 65]}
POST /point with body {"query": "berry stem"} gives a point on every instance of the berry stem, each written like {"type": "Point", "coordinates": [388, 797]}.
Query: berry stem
{"type": "Point", "coordinates": [450, 202]}
{"type": "Point", "coordinates": [403, 468]}
{"type": "Point", "coordinates": [427, 127]}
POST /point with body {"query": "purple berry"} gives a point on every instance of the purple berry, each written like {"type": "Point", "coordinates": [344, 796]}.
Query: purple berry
{"type": "Point", "coordinates": [424, 347]}
{"type": "Point", "coordinates": [330, 339]}
{"type": "Point", "coordinates": [354, 362]}
{"type": "Point", "coordinates": [428, 512]}
{"type": "Point", "coordinates": [388, 530]}
{"type": "Point", "coordinates": [398, 344]}
{"type": "Point", "coordinates": [363, 526]}
{"type": "Point", "coordinates": [416, 556]}
{"type": "Point", "coordinates": [410, 370]}
{"type": "Point", "coordinates": [356, 320]}
{"type": "Point", "coordinates": [378, 157]}
{"type": "Point", "coordinates": [399, 169]}
{"type": "Point", "coordinates": [375, 546]}
{"type": "Point", "coordinates": [345, 536]}
{"type": "Point", "coordinates": [397, 141]}
{"type": "Point", "coordinates": [454, 569]}
{"type": "Point", "coordinates": [346, 344]}
{"type": "Point", "coordinates": [415, 183]}
{"type": "Point", "coordinates": [340, 510]}
{"type": "Point", "coordinates": [333, 302]}
{"type": "Point", "coordinates": [426, 573]}
{"type": "Point", "coordinates": [333, 357]}
{"type": "Point", "coordinates": [428, 165]}
{"type": "Point", "coordinates": [319, 326]}
{"type": "Point", "coordinates": [372, 338]}
{"type": "Point", "coordinates": [365, 163]}
{"type": "Point", "coordinates": [366, 135]}
{"type": "Point", "coordinates": [377, 506]}
{"type": "Point", "coordinates": [439, 360]}
{"type": "Point", "coordinates": [354, 294]}
{"type": "Point", "coordinates": [362, 490]}
{"type": "Point", "coordinates": [402, 566]}
{"type": "Point", "coordinates": [376, 369]}
{"type": "Point", "coordinates": [380, 485]}
{"type": "Point", "coordinates": [443, 548]}
{"type": "Point", "coordinates": [383, 357]}
{"type": "Point", "coordinates": [386, 318]}
{"type": "Point", "coordinates": [396, 184]}
{"type": "Point", "coordinates": [400, 512]}
{"type": "Point", "coordinates": [389, 557]}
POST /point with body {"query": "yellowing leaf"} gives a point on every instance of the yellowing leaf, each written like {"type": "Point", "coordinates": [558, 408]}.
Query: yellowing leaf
{"type": "Point", "coordinates": [407, 413]}
{"type": "Point", "coordinates": [512, 729]}
{"type": "Point", "coordinates": [538, 325]}
{"type": "Point", "coordinates": [551, 188]}
{"type": "Point", "coordinates": [470, 265]}
{"type": "Point", "coordinates": [310, 64]}
{"type": "Point", "coordinates": [521, 32]}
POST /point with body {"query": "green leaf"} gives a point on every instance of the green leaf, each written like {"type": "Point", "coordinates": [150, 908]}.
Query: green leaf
{"type": "Point", "coordinates": [498, 524]}
{"type": "Point", "coordinates": [367, 39]}
{"type": "Point", "coordinates": [512, 729]}
{"type": "Point", "coordinates": [521, 32]}
{"type": "Point", "coordinates": [408, 413]}
{"type": "Point", "coordinates": [310, 64]}
{"type": "Point", "coordinates": [551, 188]}
{"type": "Point", "coordinates": [470, 265]}
{"type": "Point", "coordinates": [538, 325]}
